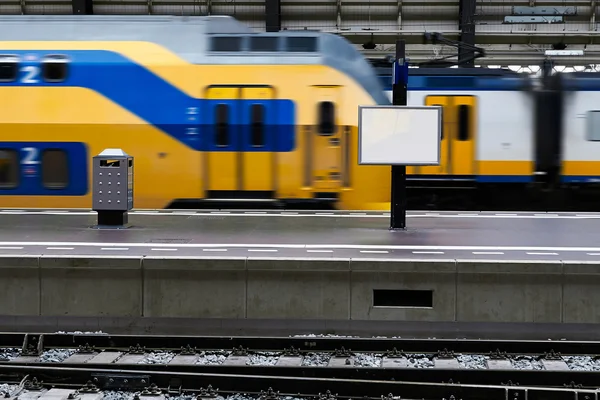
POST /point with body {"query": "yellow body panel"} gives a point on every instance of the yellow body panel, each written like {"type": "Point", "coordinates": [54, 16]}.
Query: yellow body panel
{"type": "Point", "coordinates": [165, 168]}
{"type": "Point", "coordinates": [325, 149]}
{"type": "Point", "coordinates": [581, 168]}
{"type": "Point", "coordinates": [258, 168]}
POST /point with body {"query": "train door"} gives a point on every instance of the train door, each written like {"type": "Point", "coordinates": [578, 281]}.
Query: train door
{"type": "Point", "coordinates": [458, 136]}
{"type": "Point", "coordinates": [463, 139]}
{"type": "Point", "coordinates": [222, 164]}
{"type": "Point", "coordinates": [258, 138]}
{"type": "Point", "coordinates": [447, 121]}
{"type": "Point", "coordinates": [324, 144]}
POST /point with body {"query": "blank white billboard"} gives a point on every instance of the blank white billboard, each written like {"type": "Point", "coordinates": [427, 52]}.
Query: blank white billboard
{"type": "Point", "coordinates": [399, 135]}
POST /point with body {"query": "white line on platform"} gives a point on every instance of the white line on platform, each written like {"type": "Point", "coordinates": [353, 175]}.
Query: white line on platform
{"type": "Point", "coordinates": [164, 249]}
{"type": "Point", "coordinates": [11, 248]}
{"type": "Point", "coordinates": [428, 252]}
{"type": "Point", "coordinates": [319, 251]}
{"type": "Point", "coordinates": [312, 215]}
{"type": "Point", "coordinates": [214, 249]}
{"type": "Point", "coordinates": [375, 251]}
{"type": "Point", "coordinates": [60, 248]}
{"type": "Point", "coordinates": [115, 248]}
{"type": "Point", "coordinates": [541, 254]}
{"type": "Point", "coordinates": [305, 246]}
{"type": "Point", "coordinates": [488, 252]}
{"type": "Point", "coordinates": [264, 250]}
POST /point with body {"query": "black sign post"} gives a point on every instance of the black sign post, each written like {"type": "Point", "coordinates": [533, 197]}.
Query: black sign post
{"type": "Point", "coordinates": [399, 98]}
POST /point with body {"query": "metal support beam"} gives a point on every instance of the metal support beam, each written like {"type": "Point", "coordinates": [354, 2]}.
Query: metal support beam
{"type": "Point", "coordinates": [399, 15]}
{"type": "Point", "coordinates": [84, 7]}
{"type": "Point", "coordinates": [466, 11]}
{"type": "Point", "coordinates": [273, 15]}
{"type": "Point", "coordinates": [593, 16]}
{"type": "Point", "coordinates": [339, 14]}
{"type": "Point", "coordinates": [399, 98]}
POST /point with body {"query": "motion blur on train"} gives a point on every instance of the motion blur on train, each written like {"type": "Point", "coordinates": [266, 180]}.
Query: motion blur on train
{"type": "Point", "coordinates": [234, 116]}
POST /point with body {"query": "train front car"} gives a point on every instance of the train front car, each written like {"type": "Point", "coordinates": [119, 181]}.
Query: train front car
{"type": "Point", "coordinates": [209, 109]}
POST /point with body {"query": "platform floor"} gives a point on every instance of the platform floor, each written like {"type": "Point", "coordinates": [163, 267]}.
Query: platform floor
{"type": "Point", "coordinates": [443, 235]}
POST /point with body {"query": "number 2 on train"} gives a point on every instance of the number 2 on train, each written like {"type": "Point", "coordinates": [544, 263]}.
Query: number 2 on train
{"type": "Point", "coordinates": [30, 156]}
{"type": "Point", "coordinates": [30, 74]}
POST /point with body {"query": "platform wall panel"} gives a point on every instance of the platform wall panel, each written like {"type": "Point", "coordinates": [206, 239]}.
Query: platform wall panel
{"type": "Point", "coordinates": [195, 287]}
{"type": "Point", "coordinates": [298, 288]}
{"type": "Point", "coordinates": [509, 291]}
{"type": "Point", "coordinates": [581, 296]}
{"type": "Point", "coordinates": [19, 285]}
{"type": "Point", "coordinates": [370, 274]}
{"type": "Point", "coordinates": [91, 286]}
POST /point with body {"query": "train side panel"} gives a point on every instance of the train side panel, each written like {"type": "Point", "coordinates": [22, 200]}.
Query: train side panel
{"type": "Point", "coordinates": [500, 127]}
{"type": "Point", "coordinates": [128, 97]}
{"type": "Point", "coordinates": [581, 142]}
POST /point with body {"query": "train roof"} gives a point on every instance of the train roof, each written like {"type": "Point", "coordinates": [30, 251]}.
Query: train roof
{"type": "Point", "coordinates": [202, 40]}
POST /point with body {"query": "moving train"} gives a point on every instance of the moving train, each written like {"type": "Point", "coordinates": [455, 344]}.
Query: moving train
{"type": "Point", "coordinates": [207, 108]}
{"type": "Point", "coordinates": [214, 112]}
{"type": "Point", "coordinates": [507, 134]}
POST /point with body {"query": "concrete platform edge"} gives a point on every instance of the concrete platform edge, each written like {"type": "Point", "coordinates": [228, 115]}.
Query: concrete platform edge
{"type": "Point", "coordinates": [305, 288]}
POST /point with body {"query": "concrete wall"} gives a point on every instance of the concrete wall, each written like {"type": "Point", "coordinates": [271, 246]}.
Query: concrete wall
{"type": "Point", "coordinates": [308, 288]}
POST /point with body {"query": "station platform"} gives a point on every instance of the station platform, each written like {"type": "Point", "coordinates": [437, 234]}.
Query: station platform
{"type": "Point", "coordinates": [281, 265]}
{"type": "Point", "coordinates": [487, 235]}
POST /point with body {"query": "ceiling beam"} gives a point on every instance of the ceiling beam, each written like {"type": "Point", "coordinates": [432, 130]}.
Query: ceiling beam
{"type": "Point", "coordinates": [273, 15]}
{"type": "Point", "coordinates": [83, 7]}
{"type": "Point", "coordinates": [466, 24]}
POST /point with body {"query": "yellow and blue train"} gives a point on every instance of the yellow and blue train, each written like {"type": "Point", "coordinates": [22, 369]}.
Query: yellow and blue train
{"type": "Point", "coordinates": [207, 108]}
{"type": "Point", "coordinates": [211, 110]}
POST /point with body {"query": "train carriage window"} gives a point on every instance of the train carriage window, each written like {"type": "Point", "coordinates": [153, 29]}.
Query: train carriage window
{"type": "Point", "coordinates": [326, 113]}
{"type": "Point", "coordinates": [9, 169]}
{"type": "Point", "coordinates": [55, 68]}
{"type": "Point", "coordinates": [9, 68]}
{"type": "Point", "coordinates": [464, 123]}
{"type": "Point", "coordinates": [593, 126]}
{"type": "Point", "coordinates": [55, 169]}
{"type": "Point", "coordinates": [257, 127]}
{"type": "Point", "coordinates": [302, 44]}
{"type": "Point", "coordinates": [258, 43]}
{"type": "Point", "coordinates": [226, 43]}
{"type": "Point", "coordinates": [222, 125]}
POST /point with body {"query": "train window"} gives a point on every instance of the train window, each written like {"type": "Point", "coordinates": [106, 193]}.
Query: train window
{"type": "Point", "coordinates": [442, 121]}
{"type": "Point", "coordinates": [326, 118]}
{"type": "Point", "coordinates": [258, 43]}
{"type": "Point", "coordinates": [593, 125]}
{"type": "Point", "coordinates": [9, 168]}
{"type": "Point", "coordinates": [302, 44]}
{"type": "Point", "coordinates": [9, 68]}
{"type": "Point", "coordinates": [54, 68]}
{"type": "Point", "coordinates": [55, 169]}
{"type": "Point", "coordinates": [464, 122]}
{"type": "Point", "coordinates": [222, 125]}
{"type": "Point", "coordinates": [257, 127]}
{"type": "Point", "coordinates": [226, 43]}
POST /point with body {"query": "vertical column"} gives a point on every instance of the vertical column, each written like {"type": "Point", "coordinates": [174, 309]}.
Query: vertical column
{"type": "Point", "coordinates": [466, 24]}
{"type": "Point", "coordinates": [273, 15]}
{"type": "Point", "coordinates": [83, 7]}
{"type": "Point", "coordinates": [399, 98]}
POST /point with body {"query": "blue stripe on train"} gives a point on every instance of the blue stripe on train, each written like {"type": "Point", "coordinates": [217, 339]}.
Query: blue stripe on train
{"type": "Point", "coordinates": [30, 177]}
{"type": "Point", "coordinates": [163, 105]}
{"type": "Point", "coordinates": [580, 179]}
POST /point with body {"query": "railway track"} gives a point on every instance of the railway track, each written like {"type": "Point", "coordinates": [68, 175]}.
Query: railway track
{"type": "Point", "coordinates": [489, 362]}
{"type": "Point", "coordinates": [19, 382]}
